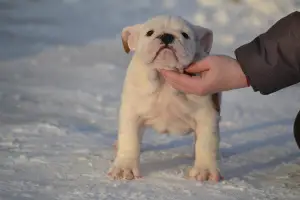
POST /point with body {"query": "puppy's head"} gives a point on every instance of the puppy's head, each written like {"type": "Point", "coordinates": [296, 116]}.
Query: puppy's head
{"type": "Point", "coordinates": [167, 42]}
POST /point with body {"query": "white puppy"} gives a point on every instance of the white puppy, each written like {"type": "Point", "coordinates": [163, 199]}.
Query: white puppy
{"type": "Point", "coordinates": [170, 43]}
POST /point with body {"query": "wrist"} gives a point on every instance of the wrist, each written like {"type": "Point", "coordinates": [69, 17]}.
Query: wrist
{"type": "Point", "coordinates": [247, 81]}
{"type": "Point", "coordinates": [243, 79]}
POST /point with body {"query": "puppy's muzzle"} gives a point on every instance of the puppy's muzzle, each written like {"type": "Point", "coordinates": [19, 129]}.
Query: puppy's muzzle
{"type": "Point", "coordinates": [166, 38]}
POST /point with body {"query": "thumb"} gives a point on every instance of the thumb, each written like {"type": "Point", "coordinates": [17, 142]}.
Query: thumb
{"type": "Point", "coordinates": [197, 67]}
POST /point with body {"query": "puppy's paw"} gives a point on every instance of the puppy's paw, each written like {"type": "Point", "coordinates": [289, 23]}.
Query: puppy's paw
{"type": "Point", "coordinates": [204, 174]}
{"type": "Point", "coordinates": [124, 168]}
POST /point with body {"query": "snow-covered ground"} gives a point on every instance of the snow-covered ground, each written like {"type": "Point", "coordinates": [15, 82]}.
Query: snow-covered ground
{"type": "Point", "coordinates": [61, 73]}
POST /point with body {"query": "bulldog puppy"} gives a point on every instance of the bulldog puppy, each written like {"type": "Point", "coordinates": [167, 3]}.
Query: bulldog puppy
{"type": "Point", "coordinates": [171, 43]}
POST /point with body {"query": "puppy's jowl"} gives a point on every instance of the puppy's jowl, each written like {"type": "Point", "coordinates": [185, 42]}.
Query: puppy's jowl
{"type": "Point", "coordinates": [171, 43]}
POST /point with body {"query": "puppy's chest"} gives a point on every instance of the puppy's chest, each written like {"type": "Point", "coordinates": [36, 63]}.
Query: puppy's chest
{"type": "Point", "coordinates": [170, 112]}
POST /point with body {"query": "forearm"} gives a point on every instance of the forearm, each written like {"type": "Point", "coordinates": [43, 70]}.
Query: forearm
{"type": "Point", "coordinates": [272, 60]}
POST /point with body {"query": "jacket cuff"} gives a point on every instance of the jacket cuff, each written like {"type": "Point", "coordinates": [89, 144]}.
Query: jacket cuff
{"type": "Point", "coordinates": [246, 56]}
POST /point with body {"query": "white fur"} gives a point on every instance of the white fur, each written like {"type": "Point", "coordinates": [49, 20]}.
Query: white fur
{"type": "Point", "coordinates": [147, 100]}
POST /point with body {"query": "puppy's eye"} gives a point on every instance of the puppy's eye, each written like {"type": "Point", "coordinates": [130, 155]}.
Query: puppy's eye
{"type": "Point", "coordinates": [149, 33]}
{"type": "Point", "coordinates": [185, 35]}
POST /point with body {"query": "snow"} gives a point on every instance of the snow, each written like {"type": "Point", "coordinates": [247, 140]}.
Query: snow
{"type": "Point", "coordinates": [61, 72]}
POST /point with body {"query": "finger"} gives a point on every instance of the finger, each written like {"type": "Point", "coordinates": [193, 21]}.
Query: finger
{"type": "Point", "coordinates": [197, 88]}
{"type": "Point", "coordinates": [198, 67]}
{"type": "Point", "coordinates": [192, 83]}
{"type": "Point", "coordinates": [176, 77]}
{"type": "Point", "coordinates": [169, 73]}
{"type": "Point", "coordinates": [182, 88]}
{"type": "Point", "coordinates": [185, 83]}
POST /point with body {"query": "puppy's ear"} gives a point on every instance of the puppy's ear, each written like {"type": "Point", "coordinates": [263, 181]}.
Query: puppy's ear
{"type": "Point", "coordinates": [204, 40]}
{"type": "Point", "coordinates": [130, 36]}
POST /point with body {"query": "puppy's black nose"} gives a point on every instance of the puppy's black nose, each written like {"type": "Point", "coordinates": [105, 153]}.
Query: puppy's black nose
{"type": "Point", "coordinates": [166, 38]}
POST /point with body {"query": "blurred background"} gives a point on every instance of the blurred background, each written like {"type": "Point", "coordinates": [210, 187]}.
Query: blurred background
{"type": "Point", "coordinates": [61, 72]}
{"type": "Point", "coordinates": [29, 26]}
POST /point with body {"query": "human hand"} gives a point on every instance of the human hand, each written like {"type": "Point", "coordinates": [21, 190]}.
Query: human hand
{"type": "Point", "coordinates": [218, 73]}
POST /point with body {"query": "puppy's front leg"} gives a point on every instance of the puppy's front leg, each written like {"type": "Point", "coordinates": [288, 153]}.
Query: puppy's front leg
{"type": "Point", "coordinates": [126, 163]}
{"type": "Point", "coordinates": [206, 148]}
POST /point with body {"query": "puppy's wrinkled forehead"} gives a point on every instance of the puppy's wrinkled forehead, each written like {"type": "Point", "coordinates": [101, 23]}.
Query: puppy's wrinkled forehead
{"type": "Point", "coordinates": [193, 39]}
{"type": "Point", "coordinates": [174, 23]}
